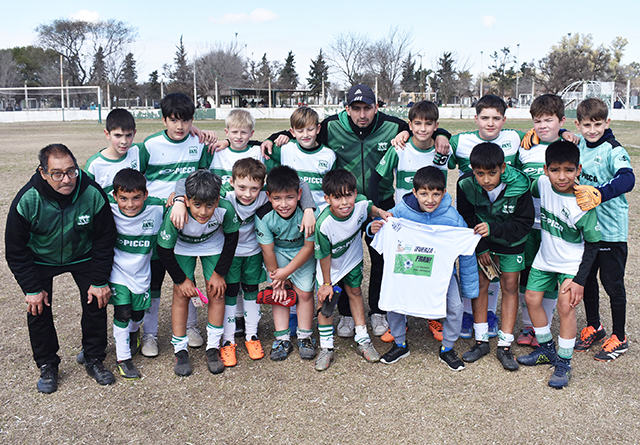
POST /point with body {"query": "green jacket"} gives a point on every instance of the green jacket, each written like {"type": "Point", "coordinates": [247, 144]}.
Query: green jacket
{"type": "Point", "coordinates": [510, 216]}
{"type": "Point", "coordinates": [50, 229]}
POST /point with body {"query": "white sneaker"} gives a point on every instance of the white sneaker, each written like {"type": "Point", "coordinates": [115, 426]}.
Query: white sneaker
{"type": "Point", "coordinates": [379, 324]}
{"type": "Point", "coordinates": [195, 339]}
{"type": "Point", "coordinates": [149, 345]}
{"type": "Point", "coordinates": [346, 327]}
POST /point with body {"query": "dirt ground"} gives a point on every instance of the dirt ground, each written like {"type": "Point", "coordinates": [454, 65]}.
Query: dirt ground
{"type": "Point", "coordinates": [417, 400]}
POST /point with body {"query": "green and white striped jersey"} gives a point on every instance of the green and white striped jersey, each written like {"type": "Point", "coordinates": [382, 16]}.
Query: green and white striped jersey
{"type": "Point", "coordinates": [247, 241]}
{"type": "Point", "coordinates": [136, 240]}
{"type": "Point", "coordinates": [599, 166]}
{"type": "Point", "coordinates": [341, 239]}
{"type": "Point", "coordinates": [197, 239]}
{"type": "Point", "coordinates": [222, 162]}
{"type": "Point", "coordinates": [565, 228]}
{"type": "Point", "coordinates": [310, 165]}
{"type": "Point", "coordinates": [405, 163]}
{"type": "Point", "coordinates": [102, 170]}
{"type": "Point", "coordinates": [165, 161]}
{"type": "Point", "coordinates": [531, 162]}
{"type": "Point", "coordinates": [463, 143]}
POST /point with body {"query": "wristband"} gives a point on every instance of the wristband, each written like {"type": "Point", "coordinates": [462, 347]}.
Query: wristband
{"type": "Point", "coordinates": [179, 199]}
{"type": "Point", "coordinates": [326, 284]}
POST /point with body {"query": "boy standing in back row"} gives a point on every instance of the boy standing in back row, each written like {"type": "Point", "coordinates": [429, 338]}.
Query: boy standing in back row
{"type": "Point", "coordinates": [606, 176]}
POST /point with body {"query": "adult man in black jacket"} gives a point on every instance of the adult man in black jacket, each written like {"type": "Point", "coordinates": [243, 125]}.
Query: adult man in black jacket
{"type": "Point", "coordinates": [59, 222]}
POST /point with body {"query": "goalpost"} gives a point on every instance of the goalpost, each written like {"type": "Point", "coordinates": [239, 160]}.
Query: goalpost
{"type": "Point", "coordinates": [69, 99]}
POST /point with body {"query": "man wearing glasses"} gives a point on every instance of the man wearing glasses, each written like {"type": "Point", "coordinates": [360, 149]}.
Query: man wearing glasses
{"type": "Point", "coordinates": [61, 222]}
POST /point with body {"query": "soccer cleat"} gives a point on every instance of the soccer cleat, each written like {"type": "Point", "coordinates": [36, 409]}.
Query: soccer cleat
{"type": "Point", "coordinates": [306, 348]}
{"type": "Point", "coordinates": [266, 297]}
{"type": "Point", "coordinates": [387, 337]}
{"type": "Point", "coordinates": [48, 381]}
{"type": "Point", "coordinates": [506, 358]}
{"type": "Point", "coordinates": [543, 355]}
{"type": "Point", "coordinates": [526, 336]}
{"type": "Point", "coordinates": [561, 375]}
{"type": "Point", "coordinates": [436, 329]}
{"type": "Point", "coordinates": [182, 366]}
{"type": "Point", "coordinates": [450, 358]}
{"type": "Point", "coordinates": [346, 327]}
{"type": "Point", "coordinates": [149, 345]}
{"type": "Point", "coordinates": [214, 362]}
{"type": "Point", "coordinates": [239, 327]}
{"type": "Point", "coordinates": [479, 350]}
{"type": "Point", "coordinates": [379, 324]}
{"type": "Point", "coordinates": [254, 348]}
{"type": "Point", "coordinates": [95, 368]}
{"type": "Point", "coordinates": [394, 354]}
{"type": "Point", "coordinates": [367, 351]}
{"type": "Point", "coordinates": [280, 350]}
{"type": "Point", "coordinates": [612, 349]}
{"type": "Point", "coordinates": [134, 342]}
{"type": "Point", "coordinates": [589, 336]}
{"type": "Point", "coordinates": [325, 357]}
{"type": "Point", "coordinates": [195, 338]}
{"type": "Point", "coordinates": [128, 370]}
{"type": "Point", "coordinates": [493, 321]}
{"type": "Point", "coordinates": [467, 325]}
{"type": "Point", "coordinates": [228, 354]}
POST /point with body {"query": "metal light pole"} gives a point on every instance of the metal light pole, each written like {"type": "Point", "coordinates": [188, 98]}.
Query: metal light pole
{"type": "Point", "coordinates": [518, 77]}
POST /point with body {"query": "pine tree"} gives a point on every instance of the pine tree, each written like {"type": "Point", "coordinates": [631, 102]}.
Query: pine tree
{"type": "Point", "coordinates": [319, 72]}
{"type": "Point", "coordinates": [288, 77]}
{"type": "Point", "coordinates": [182, 75]}
{"type": "Point", "coordinates": [129, 77]}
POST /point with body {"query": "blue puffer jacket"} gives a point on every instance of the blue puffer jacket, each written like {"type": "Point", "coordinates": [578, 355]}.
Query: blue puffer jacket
{"type": "Point", "coordinates": [444, 215]}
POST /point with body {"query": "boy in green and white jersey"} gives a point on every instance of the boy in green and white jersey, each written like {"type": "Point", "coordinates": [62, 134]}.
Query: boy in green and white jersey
{"type": "Point", "coordinates": [606, 176]}
{"type": "Point", "coordinates": [239, 129]}
{"type": "Point", "coordinates": [418, 152]}
{"type": "Point", "coordinates": [570, 238]}
{"type": "Point", "coordinates": [338, 248]}
{"type": "Point", "coordinates": [288, 257]}
{"type": "Point", "coordinates": [165, 158]}
{"type": "Point", "coordinates": [138, 219]}
{"type": "Point", "coordinates": [210, 233]}
{"type": "Point", "coordinates": [547, 112]}
{"type": "Point", "coordinates": [305, 154]}
{"type": "Point", "coordinates": [104, 165]}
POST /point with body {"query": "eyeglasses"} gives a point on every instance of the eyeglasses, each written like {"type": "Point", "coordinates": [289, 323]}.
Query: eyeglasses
{"type": "Point", "coordinates": [59, 176]}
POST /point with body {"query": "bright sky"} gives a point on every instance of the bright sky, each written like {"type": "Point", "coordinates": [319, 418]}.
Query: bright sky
{"type": "Point", "coordinates": [276, 27]}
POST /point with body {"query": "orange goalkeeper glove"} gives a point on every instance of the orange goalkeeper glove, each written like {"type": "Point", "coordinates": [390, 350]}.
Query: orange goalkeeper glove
{"type": "Point", "coordinates": [529, 140]}
{"type": "Point", "coordinates": [588, 197]}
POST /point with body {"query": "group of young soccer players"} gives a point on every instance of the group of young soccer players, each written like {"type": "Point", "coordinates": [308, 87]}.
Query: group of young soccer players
{"type": "Point", "coordinates": [294, 221]}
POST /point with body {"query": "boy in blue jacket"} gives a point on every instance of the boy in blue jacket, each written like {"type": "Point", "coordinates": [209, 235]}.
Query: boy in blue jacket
{"type": "Point", "coordinates": [429, 203]}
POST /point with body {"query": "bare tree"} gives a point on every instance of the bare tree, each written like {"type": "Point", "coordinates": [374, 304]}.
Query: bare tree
{"type": "Point", "coordinates": [385, 59]}
{"type": "Point", "coordinates": [223, 62]}
{"type": "Point", "coordinates": [9, 71]}
{"type": "Point", "coordinates": [78, 42]}
{"type": "Point", "coordinates": [346, 56]}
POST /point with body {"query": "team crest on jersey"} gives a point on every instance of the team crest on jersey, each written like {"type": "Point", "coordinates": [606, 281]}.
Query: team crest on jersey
{"type": "Point", "coordinates": [597, 160]}
{"type": "Point", "coordinates": [147, 224]}
{"type": "Point", "coordinates": [323, 164]}
{"type": "Point", "coordinates": [506, 144]}
{"type": "Point", "coordinates": [383, 146]}
{"type": "Point", "coordinates": [506, 208]}
{"type": "Point", "coordinates": [83, 220]}
{"type": "Point", "coordinates": [212, 223]}
{"type": "Point", "coordinates": [134, 165]}
{"type": "Point", "coordinates": [565, 212]}
{"type": "Point", "coordinates": [360, 218]}
{"type": "Point", "coordinates": [193, 150]}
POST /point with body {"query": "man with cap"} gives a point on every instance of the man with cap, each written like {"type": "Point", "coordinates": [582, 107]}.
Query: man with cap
{"type": "Point", "coordinates": [59, 222]}
{"type": "Point", "coordinates": [360, 135]}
